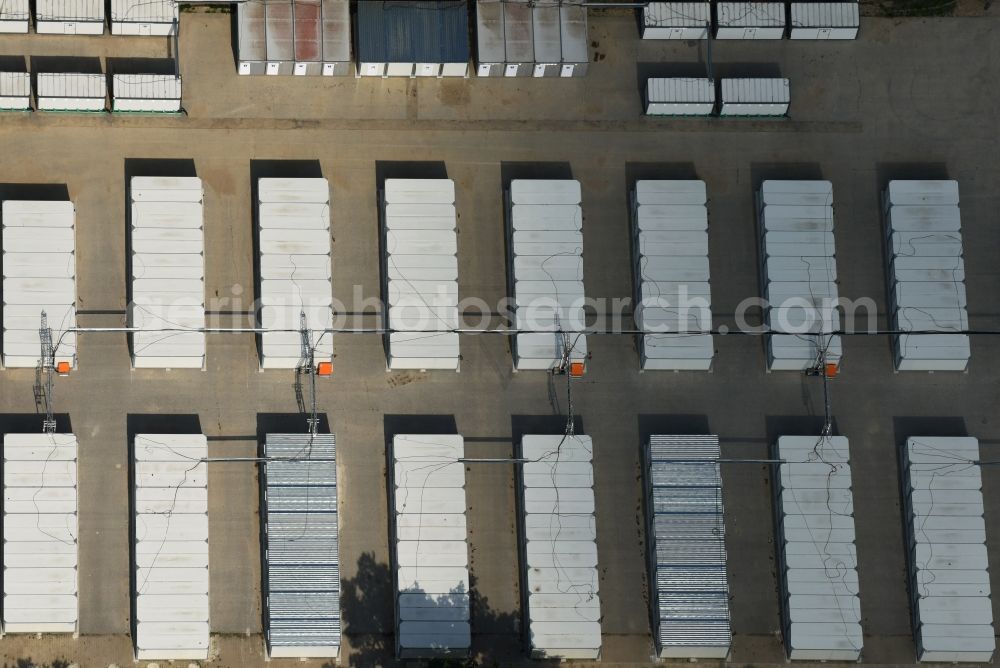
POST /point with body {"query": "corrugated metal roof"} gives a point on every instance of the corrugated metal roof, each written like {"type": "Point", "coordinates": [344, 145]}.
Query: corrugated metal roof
{"type": "Point", "coordinates": [687, 541]}
{"type": "Point", "coordinates": [308, 30]}
{"type": "Point", "coordinates": [302, 560]}
{"type": "Point", "coordinates": [336, 35]}
{"type": "Point", "coordinates": [279, 30]}
{"type": "Point", "coordinates": [146, 86]}
{"type": "Point", "coordinates": [251, 28]}
{"type": "Point", "coordinates": [69, 10]}
{"type": "Point", "coordinates": [751, 14]}
{"type": "Point", "coordinates": [15, 84]}
{"type": "Point", "coordinates": [144, 11]}
{"type": "Point", "coordinates": [824, 15]}
{"type": "Point", "coordinates": [171, 548]}
{"type": "Point", "coordinates": [71, 85]}
{"type": "Point", "coordinates": [407, 32]}
{"type": "Point", "coordinates": [677, 14]}
{"type": "Point", "coordinates": [295, 268]}
{"type": "Point", "coordinates": [14, 10]}
{"type": "Point", "coordinates": [40, 533]}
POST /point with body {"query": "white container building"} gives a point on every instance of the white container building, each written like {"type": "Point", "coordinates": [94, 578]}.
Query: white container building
{"type": "Point", "coordinates": [301, 546]}
{"type": "Point", "coordinates": [755, 97]}
{"type": "Point", "coordinates": [558, 543]}
{"type": "Point", "coordinates": [823, 20]}
{"type": "Point", "coordinates": [69, 17]}
{"type": "Point", "coordinates": [519, 39]}
{"type": "Point", "coordinates": [70, 91]}
{"type": "Point", "coordinates": [15, 91]}
{"type": "Point", "coordinates": [251, 51]}
{"type": "Point", "coordinates": [926, 274]}
{"type": "Point", "coordinates": [817, 557]}
{"type": "Point", "coordinates": [545, 272]}
{"type": "Point", "coordinates": [149, 93]}
{"type": "Point", "coordinates": [40, 534]}
{"type": "Point", "coordinates": [420, 273]}
{"type": "Point", "coordinates": [167, 272]}
{"type": "Point", "coordinates": [144, 17]}
{"type": "Point", "coordinates": [947, 558]}
{"type": "Point", "coordinates": [680, 96]}
{"type": "Point", "coordinates": [170, 569]}
{"type": "Point", "coordinates": [293, 218]}
{"type": "Point", "coordinates": [546, 31]}
{"type": "Point", "coordinates": [686, 548]}
{"type": "Point", "coordinates": [39, 274]}
{"type": "Point", "coordinates": [14, 16]}
{"type": "Point", "coordinates": [750, 20]}
{"type": "Point", "coordinates": [574, 40]}
{"type": "Point", "coordinates": [491, 52]}
{"type": "Point", "coordinates": [430, 546]}
{"type": "Point", "coordinates": [676, 20]}
{"type": "Point", "coordinates": [673, 297]}
{"type": "Point", "coordinates": [799, 274]}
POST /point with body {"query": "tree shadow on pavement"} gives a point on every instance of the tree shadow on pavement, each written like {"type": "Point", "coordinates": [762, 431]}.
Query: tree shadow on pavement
{"type": "Point", "coordinates": [368, 619]}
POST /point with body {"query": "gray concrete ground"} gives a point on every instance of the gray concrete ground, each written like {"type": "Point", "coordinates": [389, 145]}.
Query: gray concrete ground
{"type": "Point", "coordinates": [910, 98]}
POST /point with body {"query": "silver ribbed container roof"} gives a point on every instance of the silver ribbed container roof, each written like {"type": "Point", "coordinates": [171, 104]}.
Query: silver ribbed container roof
{"type": "Point", "coordinates": [687, 551]}
{"type": "Point", "coordinates": [302, 559]}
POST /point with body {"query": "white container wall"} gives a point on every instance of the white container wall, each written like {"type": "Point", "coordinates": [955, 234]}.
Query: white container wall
{"type": "Point", "coordinates": [755, 97]}
{"type": "Point", "coordinates": [683, 96]}
{"type": "Point", "coordinates": [545, 272]}
{"type": "Point", "coordinates": [686, 544]}
{"type": "Point", "coordinates": [69, 17]}
{"type": "Point", "coordinates": [926, 273]}
{"type": "Point", "coordinates": [799, 274]}
{"type": "Point", "coordinates": [39, 274]}
{"type": "Point", "coordinates": [948, 563]}
{"type": "Point", "coordinates": [144, 17]}
{"type": "Point", "coordinates": [750, 20]}
{"type": "Point", "coordinates": [170, 570]}
{"type": "Point", "coordinates": [824, 20]}
{"type": "Point", "coordinates": [14, 15]}
{"type": "Point", "coordinates": [146, 93]}
{"type": "Point", "coordinates": [71, 91]}
{"type": "Point", "coordinates": [15, 91]}
{"type": "Point", "coordinates": [817, 557]}
{"type": "Point", "coordinates": [168, 272]}
{"type": "Point", "coordinates": [519, 39]}
{"type": "Point", "coordinates": [430, 546]}
{"type": "Point", "coordinates": [545, 30]}
{"type": "Point", "coordinates": [293, 218]}
{"type": "Point", "coordinates": [676, 20]}
{"type": "Point", "coordinates": [40, 533]}
{"type": "Point", "coordinates": [301, 541]}
{"type": "Point", "coordinates": [558, 540]}
{"type": "Point", "coordinates": [420, 273]}
{"type": "Point", "coordinates": [673, 297]}
{"type": "Point", "coordinates": [491, 53]}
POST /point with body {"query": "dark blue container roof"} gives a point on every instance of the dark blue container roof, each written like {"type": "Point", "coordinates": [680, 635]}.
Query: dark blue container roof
{"type": "Point", "coordinates": [406, 31]}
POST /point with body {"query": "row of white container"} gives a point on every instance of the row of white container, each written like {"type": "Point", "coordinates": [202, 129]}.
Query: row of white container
{"type": "Point", "coordinates": [74, 91]}
{"type": "Point", "coordinates": [692, 96]}
{"type": "Point", "coordinates": [686, 547]}
{"type": "Point", "coordinates": [817, 557]}
{"type": "Point", "coordinates": [671, 275]}
{"type": "Point", "coordinates": [520, 39]}
{"type": "Point", "coordinates": [293, 227]}
{"type": "Point", "coordinates": [545, 272]}
{"type": "Point", "coordinates": [170, 528]}
{"type": "Point", "coordinates": [87, 17]}
{"type": "Point", "coordinates": [300, 530]}
{"type": "Point", "coordinates": [798, 273]}
{"type": "Point", "coordinates": [430, 546]}
{"type": "Point", "coordinates": [947, 559]}
{"type": "Point", "coordinates": [39, 275]}
{"type": "Point", "coordinates": [558, 545]}
{"type": "Point", "coordinates": [420, 273]}
{"type": "Point", "coordinates": [750, 20]}
{"type": "Point", "coordinates": [40, 534]}
{"type": "Point", "coordinates": [926, 275]}
{"type": "Point", "coordinates": [167, 272]}
{"type": "Point", "coordinates": [298, 38]}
